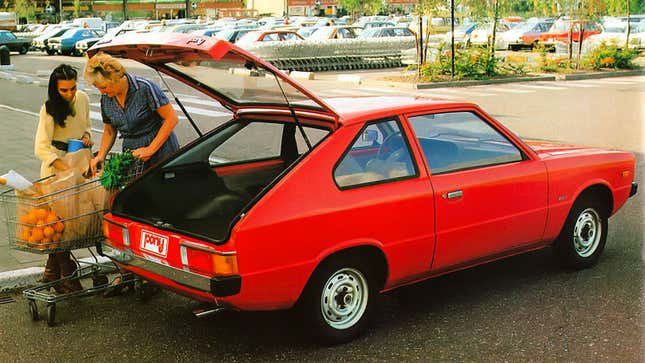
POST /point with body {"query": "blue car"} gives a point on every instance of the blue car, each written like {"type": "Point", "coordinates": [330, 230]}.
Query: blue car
{"type": "Point", "coordinates": [66, 43]}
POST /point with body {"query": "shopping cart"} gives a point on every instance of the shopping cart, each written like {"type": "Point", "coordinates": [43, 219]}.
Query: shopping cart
{"type": "Point", "coordinates": [63, 220]}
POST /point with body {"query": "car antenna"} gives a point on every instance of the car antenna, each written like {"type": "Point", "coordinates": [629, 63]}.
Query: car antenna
{"type": "Point", "coordinates": [293, 112]}
{"type": "Point", "coordinates": [190, 119]}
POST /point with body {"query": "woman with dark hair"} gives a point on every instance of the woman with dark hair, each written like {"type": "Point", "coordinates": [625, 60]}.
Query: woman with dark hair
{"type": "Point", "coordinates": [64, 116]}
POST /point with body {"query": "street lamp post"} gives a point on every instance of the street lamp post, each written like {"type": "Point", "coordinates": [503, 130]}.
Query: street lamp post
{"type": "Point", "coordinates": [60, 11]}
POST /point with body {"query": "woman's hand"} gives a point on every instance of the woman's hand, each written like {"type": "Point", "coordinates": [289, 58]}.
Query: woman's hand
{"type": "Point", "coordinates": [143, 153]}
{"type": "Point", "coordinates": [94, 163]}
{"type": "Point", "coordinates": [87, 139]}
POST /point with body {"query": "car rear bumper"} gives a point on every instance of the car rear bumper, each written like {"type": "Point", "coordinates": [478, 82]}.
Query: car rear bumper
{"type": "Point", "coordinates": [634, 189]}
{"type": "Point", "coordinates": [218, 286]}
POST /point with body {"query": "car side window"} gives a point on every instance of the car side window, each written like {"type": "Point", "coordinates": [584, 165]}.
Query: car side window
{"type": "Point", "coordinates": [380, 153]}
{"type": "Point", "coordinates": [461, 140]}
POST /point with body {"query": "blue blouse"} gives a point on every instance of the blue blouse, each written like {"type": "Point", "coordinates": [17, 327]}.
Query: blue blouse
{"type": "Point", "coordinates": [138, 122]}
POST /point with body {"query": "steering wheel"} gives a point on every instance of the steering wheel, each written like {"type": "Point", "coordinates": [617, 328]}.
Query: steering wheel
{"type": "Point", "coordinates": [390, 145]}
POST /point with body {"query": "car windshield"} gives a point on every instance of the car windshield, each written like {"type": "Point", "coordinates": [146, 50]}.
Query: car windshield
{"type": "Point", "coordinates": [321, 33]}
{"type": "Point", "coordinates": [69, 33]}
{"type": "Point", "coordinates": [239, 80]}
{"type": "Point", "coordinates": [615, 28]}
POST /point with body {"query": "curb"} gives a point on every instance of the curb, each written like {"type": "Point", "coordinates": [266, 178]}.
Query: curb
{"type": "Point", "coordinates": [26, 277]}
{"type": "Point", "coordinates": [457, 83]}
{"type": "Point", "coordinates": [574, 77]}
{"type": "Point", "coordinates": [568, 77]}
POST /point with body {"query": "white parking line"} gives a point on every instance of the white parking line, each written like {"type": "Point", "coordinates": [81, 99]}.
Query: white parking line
{"type": "Point", "coordinates": [508, 90]}
{"type": "Point", "coordinates": [576, 84]}
{"type": "Point", "coordinates": [468, 92]}
{"type": "Point", "coordinates": [539, 86]}
{"type": "Point", "coordinates": [604, 82]}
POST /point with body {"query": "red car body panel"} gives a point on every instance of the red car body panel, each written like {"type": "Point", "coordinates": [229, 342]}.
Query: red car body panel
{"type": "Point", "coordinates": [304, 217]}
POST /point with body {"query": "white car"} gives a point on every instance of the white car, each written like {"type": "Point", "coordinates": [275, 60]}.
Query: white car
{"type": "Point", "coordinates": [616, 34]}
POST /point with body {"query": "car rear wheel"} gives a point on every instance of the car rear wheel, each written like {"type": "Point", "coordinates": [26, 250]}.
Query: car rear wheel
{"type": "Point", "coordinates": [23, 49]}
{"type": "Point", "coordinates": [50, 52]}
{"type": "Point", "coordinates": [338, 300]}
{"type": "Point", "coordinates": [584, 234]}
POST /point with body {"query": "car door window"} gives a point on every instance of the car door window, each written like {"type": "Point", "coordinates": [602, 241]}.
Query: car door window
{"type": "Point", "coordinates": [379, 153]}
{"type": "Point", "coordinates": [461, 140]}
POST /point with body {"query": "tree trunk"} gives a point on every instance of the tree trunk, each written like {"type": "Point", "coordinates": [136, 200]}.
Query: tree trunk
{"type": "Point", "coordinates": [492, 45]}
{"type": "Point", "coordinates": [629, 13]}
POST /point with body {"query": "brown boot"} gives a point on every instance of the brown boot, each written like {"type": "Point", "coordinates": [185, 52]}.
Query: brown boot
{"type": "Point", "coordinates": [52, 271]}
{"type": "Point", "coordinates": [67, 269]}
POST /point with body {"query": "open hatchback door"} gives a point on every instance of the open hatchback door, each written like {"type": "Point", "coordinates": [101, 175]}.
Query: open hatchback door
{"type": "Point", "coordinates": [237, 79]}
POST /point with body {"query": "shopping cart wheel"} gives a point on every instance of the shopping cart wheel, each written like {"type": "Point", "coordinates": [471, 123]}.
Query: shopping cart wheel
{"type": "Point", "coordinates": [51, 314]}
{"type": "Point", "coordinates": [99, 280]}
{"type": "Point", "coordinates": [33, 310]}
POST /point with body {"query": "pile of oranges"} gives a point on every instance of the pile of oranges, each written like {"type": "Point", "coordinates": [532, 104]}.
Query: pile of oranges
{"type": "Point", "coordinates": [42, 228]}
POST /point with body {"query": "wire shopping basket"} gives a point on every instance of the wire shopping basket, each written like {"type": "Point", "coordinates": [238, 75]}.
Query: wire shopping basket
{"type": "Point", "coordinates": [65, 219]}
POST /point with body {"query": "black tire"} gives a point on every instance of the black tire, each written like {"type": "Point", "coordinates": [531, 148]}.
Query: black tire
{"type": "Point", "coordinates": [23, 49]}
{"type": "Point", "coordinates": [338, 301]}
{"type": "Point", "coordinates": [584, 234]}
{"type": "Point", "coordinates": [33, 310]}
{"type": "Point", "coordinates": [50, 52]}
{"type": "Point", "coordinates": [51, 314]}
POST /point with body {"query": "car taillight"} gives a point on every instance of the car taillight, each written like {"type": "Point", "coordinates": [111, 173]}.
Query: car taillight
{"type": "Point", "coordinates": [207, 260]}
{"type": "Point", "coordinates": [116, 232]}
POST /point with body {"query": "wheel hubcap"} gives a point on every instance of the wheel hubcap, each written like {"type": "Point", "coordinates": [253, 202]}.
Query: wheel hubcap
{"type": "Point", "coordinates": [344, 298]}
{"type": "Point", "coordinates": [587, 232]}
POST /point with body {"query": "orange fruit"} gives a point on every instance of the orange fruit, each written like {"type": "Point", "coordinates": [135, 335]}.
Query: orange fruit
{"type": "Point", "coordinates": [25, 218]}
{"type": "Point", "coordinates": [48, 232]}
{"type": "Point", "coordinates": [57, 236]}
{"type": "Point", "coordinates": [31, 218]}
{"type": "Point", "coordinates": [51, 218]}
{"type": "Point", "coordinates": [37, 234]}
{"type": "Point", "coordinates": [25, 234]}
{"type": "Point", "coordinates": [40, 222]}
{"type": "Point", "coordinates": [41, 213]}
{"type": "Point", "coordinates": [59, 227]}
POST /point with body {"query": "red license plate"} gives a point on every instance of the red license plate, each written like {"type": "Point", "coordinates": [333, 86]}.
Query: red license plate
{"type": "Point", "coordinates": [154, 243]}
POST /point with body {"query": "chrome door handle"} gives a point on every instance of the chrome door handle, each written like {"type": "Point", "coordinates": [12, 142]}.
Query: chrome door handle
{"type": "Point", "coordinates": [454, 194]}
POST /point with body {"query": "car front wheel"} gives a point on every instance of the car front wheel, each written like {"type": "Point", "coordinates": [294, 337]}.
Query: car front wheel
{"type": "Point", "coordinates": [23, 49]}
{"type": "Point", "coordinates": [338, 300]}
{"type": "Point", "coordinates": [584, 234]}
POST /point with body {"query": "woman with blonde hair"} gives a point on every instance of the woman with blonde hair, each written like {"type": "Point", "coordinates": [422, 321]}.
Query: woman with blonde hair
{"type": "Point", "coordinates": [136, 108]}
{"type": "Point", "coordinates": [64, 116]}
{"type": "Point", "coordinates": [141, 113]}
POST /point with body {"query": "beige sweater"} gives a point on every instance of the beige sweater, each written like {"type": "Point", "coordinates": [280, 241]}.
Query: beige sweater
{"type": "Point", "coordinates": [75, 127]}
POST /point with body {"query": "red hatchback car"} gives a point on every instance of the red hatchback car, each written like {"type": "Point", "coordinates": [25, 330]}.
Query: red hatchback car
{"type": "Point", "coordinates": [559, 31]}
{"type": "Point", "coordinates": [322, 204]}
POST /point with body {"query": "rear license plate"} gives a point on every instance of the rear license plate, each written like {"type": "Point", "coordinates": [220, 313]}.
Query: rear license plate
{"type": "Point", "coordinates": [154, 243]}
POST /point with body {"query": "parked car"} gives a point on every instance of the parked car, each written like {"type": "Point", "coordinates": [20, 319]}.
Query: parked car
{"type": "Point", "coordinates": [256, 36]}
{"type": "Point", "coordinates": [66, 43]}
{"type": "Point", "coordinates": [15, 44]}
{"type": "Point", "coordinates": [559, 31]}
{"type": "Point", "coordinates": [482, 34]}
{"type": "Point", "coordinates": [307, 31]}
{"type": "Point", "coordinates": [637, 39]}
{"type": "Point", "coordinates": [335, 32]}
{"type": "Point", "coordinates": [232, 35]}
{"type": "Point", "coordinates": [42, 42]}
{"type": "Point", "coordinates": [614, 34]}
{"type": "Point", "coordinates": [83, 45]}
{"type": "Point", "coordinates": [525, 35]}
{"type": "Point", "coordinates": [320, 204]}
{"type": "Point", "coordinates": [462, 33]}
{"type": "Point", "coordinates": [386, 32]}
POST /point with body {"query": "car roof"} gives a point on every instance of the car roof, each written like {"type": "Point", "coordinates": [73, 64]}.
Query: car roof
{"type": "Point", "coordinates": [354, 110]}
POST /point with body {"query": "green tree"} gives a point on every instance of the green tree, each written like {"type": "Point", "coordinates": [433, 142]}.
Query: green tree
{"type": "Point", "coordinates": [77, 7]}
{"type": "Point", "coordinates": [25, 9]}
{"type": "Point", "coordinates": [364, 7]}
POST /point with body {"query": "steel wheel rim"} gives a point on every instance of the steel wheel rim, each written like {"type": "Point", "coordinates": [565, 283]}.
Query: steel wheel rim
{"type": "Point", "coordinates": [587, 232]}
{"type": "Point", "coordinates": [344, 298]}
